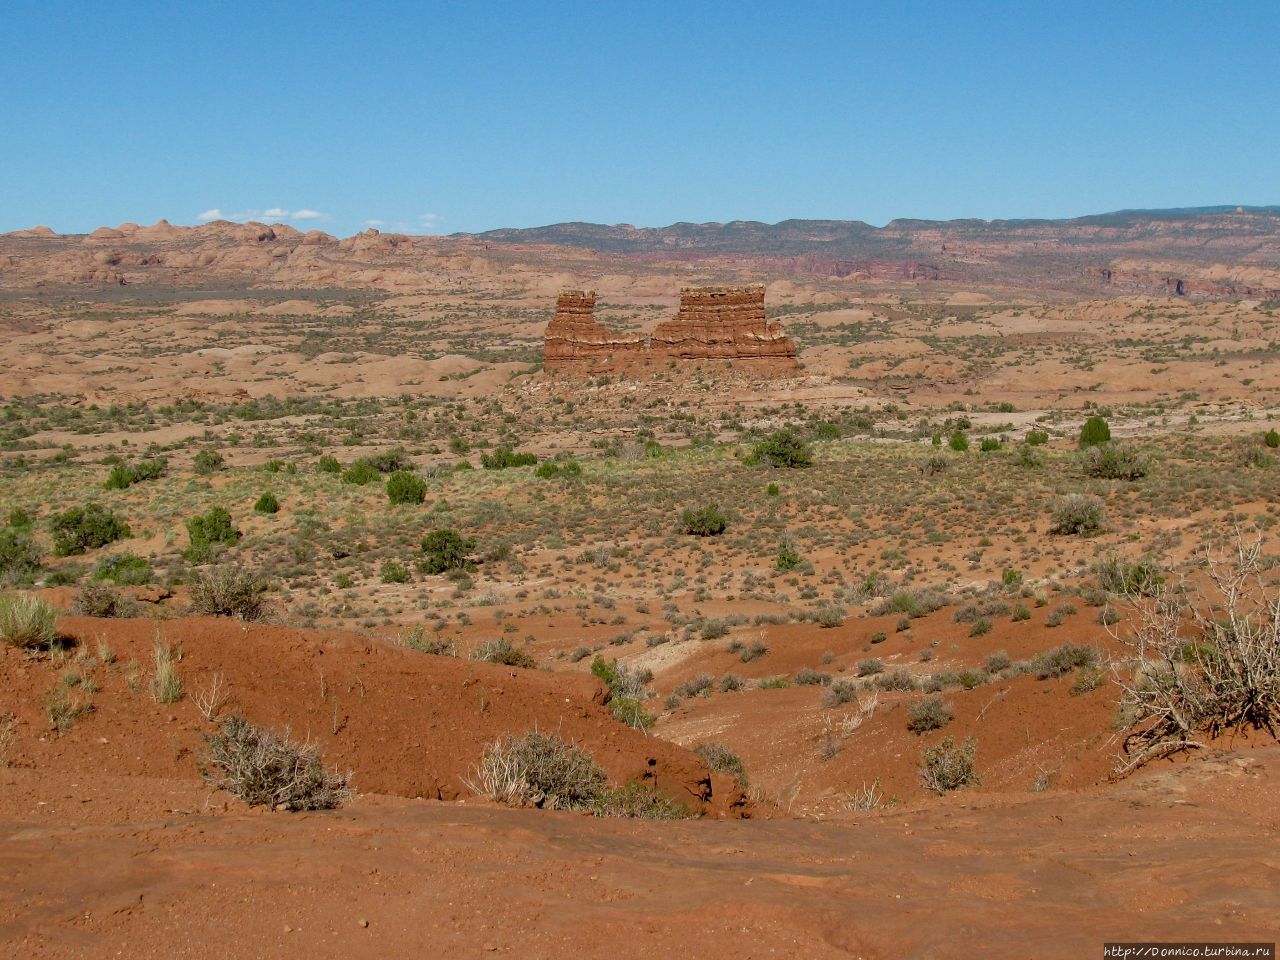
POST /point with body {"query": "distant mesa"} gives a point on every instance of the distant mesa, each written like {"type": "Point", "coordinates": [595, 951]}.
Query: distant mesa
{"type": "Point", "coordinates": [713, 323]}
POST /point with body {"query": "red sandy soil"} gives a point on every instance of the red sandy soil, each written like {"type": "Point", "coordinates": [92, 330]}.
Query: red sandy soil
{"type": "Point", "coordinates": [1185, 853]}
{"type": "Point", "coordinates": [406, 723]}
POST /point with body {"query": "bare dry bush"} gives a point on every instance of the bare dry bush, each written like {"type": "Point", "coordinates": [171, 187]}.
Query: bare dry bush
{"type": "Point", "coordinates": [263, 768]}
{"type": "Point", "coordinates": [1205, 661]}
{"type": "Point", "coordinates": [539, 770]}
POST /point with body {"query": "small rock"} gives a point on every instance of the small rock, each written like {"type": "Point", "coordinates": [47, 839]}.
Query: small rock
{"type": "Point", "coordinates": [364, 923]}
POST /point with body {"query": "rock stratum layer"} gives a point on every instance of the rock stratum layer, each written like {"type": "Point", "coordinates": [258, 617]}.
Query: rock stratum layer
{"type": "Point", "coordinates": [713, 323]}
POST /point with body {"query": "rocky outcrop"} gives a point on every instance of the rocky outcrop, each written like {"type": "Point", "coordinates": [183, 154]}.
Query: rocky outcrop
{"type": "Point", "coordinates": [575, 339]}
{"type": "Point", "coordinates": [713, 323]}
{"type": "Point", "coordinates": [722, 323]}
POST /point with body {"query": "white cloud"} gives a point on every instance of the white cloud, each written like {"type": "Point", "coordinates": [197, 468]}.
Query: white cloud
{"type": "Point", "coordinates": [374, 223]}
{"type": "Point", "coordinates": [270, 213]}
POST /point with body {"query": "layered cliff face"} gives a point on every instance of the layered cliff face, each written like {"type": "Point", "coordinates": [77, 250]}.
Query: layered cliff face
{"type": "Point", "coordinates": [575, 339]}
{"type": "Point", "coordinates": [722, 323]}
{"type": "Point", "coordinates": [713, 323]}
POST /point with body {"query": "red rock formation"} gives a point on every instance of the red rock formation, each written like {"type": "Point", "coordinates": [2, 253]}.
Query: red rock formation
{"type": "Point", "coordinates": [713, 323]}
{"type": "Point", "coordinates": [575, 340]}
{"type": "Point", "coordinates": [722, 323]}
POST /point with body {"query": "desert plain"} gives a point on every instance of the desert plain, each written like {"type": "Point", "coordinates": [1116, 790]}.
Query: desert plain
{"type": "Point", "coordinates": [844, 648]}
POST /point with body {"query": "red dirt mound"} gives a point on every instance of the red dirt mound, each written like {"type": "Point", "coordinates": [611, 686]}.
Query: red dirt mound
{"type": "Point", "coordinates": [406, 723]}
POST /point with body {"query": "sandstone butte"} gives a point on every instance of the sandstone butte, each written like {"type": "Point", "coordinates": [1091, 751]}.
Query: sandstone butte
{"type": "Point", "coordinates": [713, 323]}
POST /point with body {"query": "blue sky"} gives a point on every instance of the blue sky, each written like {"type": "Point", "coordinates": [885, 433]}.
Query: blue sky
{"type": "Point", "coordinates": [441, 117]}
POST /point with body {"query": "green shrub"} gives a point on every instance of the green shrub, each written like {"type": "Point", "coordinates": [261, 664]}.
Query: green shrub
{"type": "Point", "coordinates": [787, 558]}
{"type": "Point", "coordinates": [638, 801]}
{"type": "Point", "coordinates": [782, 449]}
{"type": "Point", "coordinates": [1272, 439]}
{"type": "Point", "coordinates": [265, 769]}
{"type": "Point", "coordinates": [503, 458]}
{"type": "Point", "coordinates": [123, 476]}
{"type": "Point", "coordinates": [393, 572]}
{"type": "Point", "coordinates": [415, 638]}
{"type": "Point", "coordinates": [705, 521]}
{"type": "Point", "coordinates": [547, 469]}
{"type": "Point", "coordinates": [267, 503]}
{"type": "Point", "coordinates": [1114, 462]}
{"type": "Point", "coordinates": [988, 444]}
{"type": "Point", "coordinates": [26, 622]}
{"type": "Point", "coordinates": [929, 713]}
{"type": "Point", "coordinates": [1095, 431]}
{"type": "Point", "coordinates": [446, 550]}
{"type": "Point", "coordinates": [772, 490]}
{"type": "Point", "coordinates": [958, 441]}
{"type": "Point", "coordinates": [207, 462]}
{"type": "Point", "coordinates": [86, 528]}
{"type": "Point", "coordinates": [404, 486]}
{"type": "Point", "coordinates": [228, 591]}
{"type": "Point", "coordinates": [945, 766]}
{"type": "Point", "coordinates": [1080, 514]}
{"type": "Point", "coordinates": [1036, 438]}
{"type": "Point", "coordinates": [720, 759]}
{"type": "Point", "coordinates": [124, 569]}
{"type": "Point", "coordinates": [631, 711]}
{"type": "Point", "coordinates": [360, 474]}
{"type": "Point", "coordinates": [827, 431]}
{"type": "Point", "coordinates": [328, 464]}
{"type": "Point", "coordinates": [19, 558]}
{"type": "Point", "coordinates": [503, 651]}
{"type": "Point", "coordinates": [208, 530]}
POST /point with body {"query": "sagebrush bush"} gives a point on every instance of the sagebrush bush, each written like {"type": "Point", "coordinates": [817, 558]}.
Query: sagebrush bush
{"type": "Point", "coordinates": [1139, 578]}
{"type": "Point", "coordinates": [840, 692]}
{"type": "Point", "coordinates": [263, 768]}
{"type": "Point", "coordinates": [26, 622]}
{"type": "Point", "coordinates": [19, 558]}
{"type": "Point", "coordinates": [1115, 462]}
{"type": "Point", "coordinates": [1080, 514]}
{"type": "Point", "coordinates": [99, 599]}
{"type": "Point", "coordinates": [720, 759]}
{"type": "Point", "coordinates": [929, 713]}
{"type": "Point", "coordinates": [1061, 660]}
{"type": "Point", "coordinates": [539, 770]}
{"type": "Point", "coordinates": [946, 766]}
{"type": "Point", "coordinates": [228, 591]}
{"type": "Point", "coordinates": [503, 651]}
